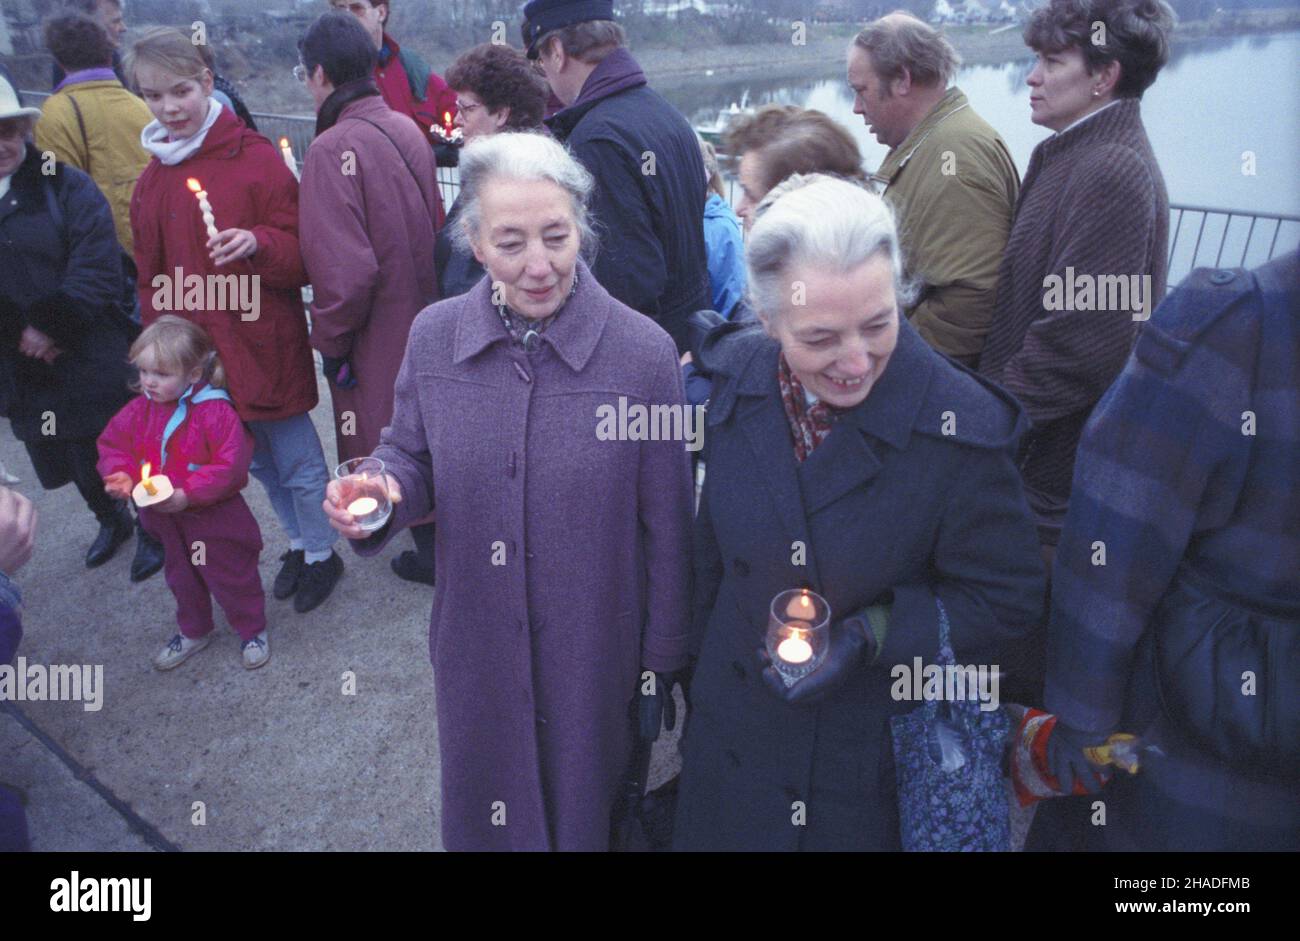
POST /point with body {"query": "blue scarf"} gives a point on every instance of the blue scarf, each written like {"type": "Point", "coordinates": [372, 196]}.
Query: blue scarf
{"type": "Point", "coordinates": [189, 397]}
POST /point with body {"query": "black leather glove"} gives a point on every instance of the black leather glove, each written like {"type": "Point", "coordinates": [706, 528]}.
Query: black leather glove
{"type": "Point", "coordinates": [852, 643]}
{"type": "Point", "coordinates": [338, 371]}
{"type": "Point", "coordinates": [657, 708]}
{"type": "Point", "coordinates": [1069, 764]}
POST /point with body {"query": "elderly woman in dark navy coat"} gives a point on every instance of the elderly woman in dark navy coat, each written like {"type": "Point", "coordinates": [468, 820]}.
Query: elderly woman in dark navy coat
{"type": "Point", "coordinates": [837, 438]}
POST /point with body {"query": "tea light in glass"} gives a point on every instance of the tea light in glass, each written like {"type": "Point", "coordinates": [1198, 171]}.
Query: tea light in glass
{"type": "Point", "coordinates": [365, 492]}
{"type": "Point", "coordinates": [798, 633]}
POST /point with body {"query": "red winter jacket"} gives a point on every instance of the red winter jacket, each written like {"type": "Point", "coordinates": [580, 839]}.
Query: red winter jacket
{"type": "Point", "coordinates": [395, 85]}
{"type": "Point", "coordinates": [268, 362]}
{"type": "Point", "coordinates": [207, 455]}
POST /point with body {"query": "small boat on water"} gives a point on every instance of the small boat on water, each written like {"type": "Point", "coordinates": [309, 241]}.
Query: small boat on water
{"type": "Point", "coordinates": [713, 131]}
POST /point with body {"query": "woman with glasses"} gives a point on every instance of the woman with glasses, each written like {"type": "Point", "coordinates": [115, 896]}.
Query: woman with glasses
{"type": "Point", "coordinates": [496, 90]}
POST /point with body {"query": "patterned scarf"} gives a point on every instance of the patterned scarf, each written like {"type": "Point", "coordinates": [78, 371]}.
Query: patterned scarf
{"type": "Point", "coordinates": [809, 425]}
{"type": "Point", "coordinates": [525, 332]}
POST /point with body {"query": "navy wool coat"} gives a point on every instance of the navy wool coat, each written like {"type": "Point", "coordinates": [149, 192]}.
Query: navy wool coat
{"type": "Point", "coordinates": [887, 503]}
{"type": "Point", "coordinates": [648, 203]}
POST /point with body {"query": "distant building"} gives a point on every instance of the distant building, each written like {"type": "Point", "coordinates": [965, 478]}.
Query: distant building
{"type": "Point", "coordinates": [672, 8]}
{"type": "Point", "coordinates": [974, 11]}
{"type": "Point", "coordinates": [20, 27]}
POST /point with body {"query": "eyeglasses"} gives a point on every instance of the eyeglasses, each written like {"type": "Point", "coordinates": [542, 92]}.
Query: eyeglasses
{"type": "Point", "coordinates": [300, 73]}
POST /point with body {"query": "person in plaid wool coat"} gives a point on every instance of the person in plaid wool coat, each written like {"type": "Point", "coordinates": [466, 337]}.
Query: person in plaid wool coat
{"type": "Point", "coordinates": [1185, 522]}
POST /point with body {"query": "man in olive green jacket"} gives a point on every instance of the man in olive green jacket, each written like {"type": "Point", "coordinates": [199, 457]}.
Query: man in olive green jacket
{"type": "Point", "coordinates": [948, 176]}
{"type": "Point", "coordinates": [91, 122]}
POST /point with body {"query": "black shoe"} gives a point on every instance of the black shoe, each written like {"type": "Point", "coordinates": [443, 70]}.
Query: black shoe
{"type": "Point", "coordinates": [410, 567]}
{"type": "Point", "coordinates": [290, 574]}
{"type": "Point", "coordinates": [318, 580]}
{"type": "Point", "coordinates": [148, 555]}
{"type": "Point", "coordinates": [112, 533]}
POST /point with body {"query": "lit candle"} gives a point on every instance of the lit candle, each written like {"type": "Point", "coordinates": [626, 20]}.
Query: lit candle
{"type": "Point", "coordinates": [205, 207]}
{"type": "Point", "coordinates": [795, 649]}
{"type": "Point", "coordinates": [287, 150]}
{"type": "Point", "coordinates": [801, 608]}
{"type": "Point", "coordinates": [363, 506]}
{"type": "Point", "coordinates": [152, 488]}
{"type": "Point", "coordinates": [446, 120]}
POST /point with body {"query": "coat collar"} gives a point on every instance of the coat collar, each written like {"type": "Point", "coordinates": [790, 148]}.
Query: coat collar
{"type": "Point", "coordinates": [573, 335]}
{"type": "Point", "coordinates": [90, 78]}
{"type": "Point", "coordinates": [225, 138]}
{"type": "Point", "coordinates": [951, 103]}
{"type": "Point", "coordinates": [1121, 120]}
{"type": "Point", "coordinates": [853, 453]}
{"type": "Point", "coordinates": [617, 72]}
{"type": "Point", "coordinates": [889, 412]}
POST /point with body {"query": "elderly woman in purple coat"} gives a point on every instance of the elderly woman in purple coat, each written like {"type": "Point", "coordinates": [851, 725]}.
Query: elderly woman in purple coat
{"type": "Point", "coordinates": [563, 548]}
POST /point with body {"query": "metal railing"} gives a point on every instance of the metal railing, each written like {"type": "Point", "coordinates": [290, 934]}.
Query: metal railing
{"type": "Point", "coordinates": [1236, 237]}
{"type": "Point", "coordinates": [1199, 236]}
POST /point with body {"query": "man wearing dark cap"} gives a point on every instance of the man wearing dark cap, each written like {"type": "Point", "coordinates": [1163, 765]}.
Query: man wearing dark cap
{"type": "Point", "coordinates": [648, 203]}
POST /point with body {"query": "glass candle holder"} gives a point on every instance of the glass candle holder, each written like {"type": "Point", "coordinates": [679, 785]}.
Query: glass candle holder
{"type": "Point", "coordinates": [798, 633]}
{"type": "Point", "coordinates": [365, 493]}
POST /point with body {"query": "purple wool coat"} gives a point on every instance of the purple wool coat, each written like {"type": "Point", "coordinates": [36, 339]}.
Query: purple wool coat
{"type": "Point", "coordinates": [563, 561]}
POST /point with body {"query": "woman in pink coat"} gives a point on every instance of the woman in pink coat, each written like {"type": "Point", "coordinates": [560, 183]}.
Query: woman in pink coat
{"type": "Point", "coordinates": [185, 429]}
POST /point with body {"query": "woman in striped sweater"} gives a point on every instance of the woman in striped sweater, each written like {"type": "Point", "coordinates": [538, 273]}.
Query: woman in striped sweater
{"type": "Point", "coordinates": [1086, 259]}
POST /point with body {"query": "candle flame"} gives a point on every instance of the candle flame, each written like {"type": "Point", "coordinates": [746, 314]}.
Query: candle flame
{"type": "Point", "coordinates": [149, 488]}
{"type": "Point", "coordinates": [144, 471]}
{"type": "Point", "coordinates": [194, 185]}
{"type": "Point", "coordinates": [446, 118]}
{"type": "Point", "coordinates": [284, 143]}
{"type": "Point", "coordinates": [804, 601]}
{"type": "Point", "coordinates": [799, 634]}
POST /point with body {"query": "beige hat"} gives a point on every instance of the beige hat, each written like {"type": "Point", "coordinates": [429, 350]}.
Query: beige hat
{"type": "Point", "coordinates": [9, 105]}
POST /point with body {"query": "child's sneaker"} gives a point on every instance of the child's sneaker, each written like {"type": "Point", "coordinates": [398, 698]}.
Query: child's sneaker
{"type": "Point", "coordinates": [179, 649]}
{"type": "Point", "coordinates": [256, 651]}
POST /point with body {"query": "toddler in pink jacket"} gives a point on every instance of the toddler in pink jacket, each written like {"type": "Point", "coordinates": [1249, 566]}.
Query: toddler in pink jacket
{"type": "Point", "coordinates": [185, 427]}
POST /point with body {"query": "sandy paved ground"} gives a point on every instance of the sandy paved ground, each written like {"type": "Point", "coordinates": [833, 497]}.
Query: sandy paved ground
{"type": "Point", "coordinates": [280, 758]}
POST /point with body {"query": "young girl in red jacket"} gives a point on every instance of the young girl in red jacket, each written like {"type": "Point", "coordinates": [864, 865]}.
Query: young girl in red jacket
{"type": "Point", "coordinates": [185, 428]}
{"type": "Point", "coordinates": [256, 318]}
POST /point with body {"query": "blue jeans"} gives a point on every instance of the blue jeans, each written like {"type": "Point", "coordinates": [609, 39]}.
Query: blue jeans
{"type": "Point", "coordinates": [289, 463]}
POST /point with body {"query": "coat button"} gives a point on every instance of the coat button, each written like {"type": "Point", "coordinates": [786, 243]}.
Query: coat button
{"type": "Point", "coordinates": [735, 759]}
{"type": "Point", "coordinates": [739, 668]}
{"type": "Point", "coordinates": [1222, 277]}
{"type": "Point", "coordinates": [740, 567]}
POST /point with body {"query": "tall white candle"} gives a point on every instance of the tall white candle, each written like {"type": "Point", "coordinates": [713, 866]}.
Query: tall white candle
{"type": "Point", "coordinates": [287, 151]}
{"type": "Point", "coordinates": [205, 207]}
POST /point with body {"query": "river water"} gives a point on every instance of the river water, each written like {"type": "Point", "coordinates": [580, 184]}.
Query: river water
{"type": "Point", "coordinates": [1216, 100]}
